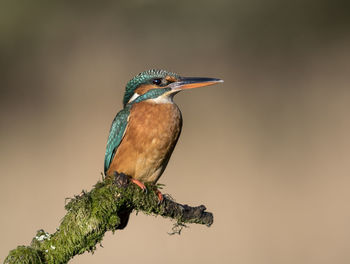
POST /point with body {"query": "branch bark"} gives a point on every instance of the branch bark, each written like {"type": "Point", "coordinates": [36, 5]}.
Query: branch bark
{"type": "Point", "coordinates": [91, 214]}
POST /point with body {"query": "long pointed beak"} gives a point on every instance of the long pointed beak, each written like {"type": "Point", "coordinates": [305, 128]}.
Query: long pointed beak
{"type": "Point", "coordinates": [193, 82]}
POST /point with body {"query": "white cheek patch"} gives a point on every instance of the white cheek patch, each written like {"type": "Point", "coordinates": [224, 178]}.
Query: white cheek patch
{"type": "Point", "coordinates": [135, 95]}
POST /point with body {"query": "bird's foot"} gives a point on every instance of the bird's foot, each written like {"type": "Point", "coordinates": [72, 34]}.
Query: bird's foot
{"type": "Point", "coordinates": [140, 184]}
{"type": "Point", "coordinates": [122, 180]}
{"type": "Point", "coordinates": [160, 196]}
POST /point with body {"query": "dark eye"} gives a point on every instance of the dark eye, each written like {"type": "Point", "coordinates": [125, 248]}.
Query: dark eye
{"type": "Point", "coordinates": [157, 81]}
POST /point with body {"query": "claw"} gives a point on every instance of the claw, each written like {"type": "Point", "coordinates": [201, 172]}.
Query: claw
{"type": "Point", "coordinates": [140, 184]}
{"type": "Point", "coordinates": [160, 196]}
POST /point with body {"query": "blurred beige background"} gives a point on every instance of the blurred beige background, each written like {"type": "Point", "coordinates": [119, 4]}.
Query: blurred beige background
{"type": "Point", "coordinates": [268, 151]}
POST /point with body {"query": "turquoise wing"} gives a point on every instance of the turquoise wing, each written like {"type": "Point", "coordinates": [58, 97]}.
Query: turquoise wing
{"type": "Point", "coordinates": [116, 135]}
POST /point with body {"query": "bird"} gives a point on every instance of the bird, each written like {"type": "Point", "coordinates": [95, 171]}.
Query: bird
{"type": "Point", "coordinates": [144, 133]}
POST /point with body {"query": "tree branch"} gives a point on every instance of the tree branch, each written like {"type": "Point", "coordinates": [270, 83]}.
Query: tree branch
{"type": "Point", "coordinates": [91, 214]}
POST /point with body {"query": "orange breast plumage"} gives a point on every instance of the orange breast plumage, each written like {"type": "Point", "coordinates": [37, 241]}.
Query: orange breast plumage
{"type": "Point", "coordinates": [150, 138]}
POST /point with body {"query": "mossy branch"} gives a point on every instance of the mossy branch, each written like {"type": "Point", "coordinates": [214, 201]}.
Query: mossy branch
{"type": "Point", "coordinates": [91, 214]}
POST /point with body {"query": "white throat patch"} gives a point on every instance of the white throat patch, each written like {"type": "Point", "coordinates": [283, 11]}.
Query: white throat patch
{"type": "Point", "coordinates": [163, 99]}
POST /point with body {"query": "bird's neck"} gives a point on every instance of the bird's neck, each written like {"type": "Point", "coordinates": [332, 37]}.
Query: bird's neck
{"type": "Point", "coordinates": [166, 99]}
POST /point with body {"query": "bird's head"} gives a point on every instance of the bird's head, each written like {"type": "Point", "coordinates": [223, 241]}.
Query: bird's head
{"type": "Point", "coordinates": [161, 86]}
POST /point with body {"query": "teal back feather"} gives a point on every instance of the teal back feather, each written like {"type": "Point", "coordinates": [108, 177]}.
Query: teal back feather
{"type": "Point", "coordinates": [116, 134]}
{"type": "Point", "coordinates": [145, 77]}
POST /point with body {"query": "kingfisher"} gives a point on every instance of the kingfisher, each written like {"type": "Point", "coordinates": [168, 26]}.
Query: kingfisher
{"type": "Point", "coordinates": [144, 133]}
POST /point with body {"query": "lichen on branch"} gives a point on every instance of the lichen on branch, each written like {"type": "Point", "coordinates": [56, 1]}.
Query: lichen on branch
{"type": "Point", "coordinates": [91, 214]}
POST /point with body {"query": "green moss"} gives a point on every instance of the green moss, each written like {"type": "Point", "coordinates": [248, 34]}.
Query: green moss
{"type": "Point", "coordinates": [89, 215]}
{"type": "Point", "coordinates": [24, 255]}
